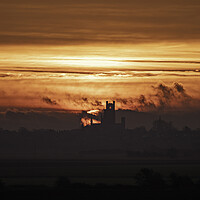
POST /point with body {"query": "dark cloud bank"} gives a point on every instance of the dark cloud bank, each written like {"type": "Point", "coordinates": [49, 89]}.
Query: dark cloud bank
{"type": "Point", "coordinates": [163, 98]}
{"type": "Point", "coordinates": [13, 120]}
{"type": "Point", "coordinates": [172, 103]}
{"type": "Point", "coordinates": [76, 22]}
{"type": "Point", "coordinates": [49, 101]}
{"type": "Point", "coordinates": [33, 119]}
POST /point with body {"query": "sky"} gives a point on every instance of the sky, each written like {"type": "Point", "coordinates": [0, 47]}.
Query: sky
{"type": "Point", "coordinates": [68, 56]}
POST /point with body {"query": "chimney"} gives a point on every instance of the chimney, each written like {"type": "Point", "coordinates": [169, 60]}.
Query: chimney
{"type": "Point", "coordinates": [113, 105]}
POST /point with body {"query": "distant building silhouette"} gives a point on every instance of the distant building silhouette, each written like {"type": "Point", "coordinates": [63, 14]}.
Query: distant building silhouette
{"type": "Point", "coordinates": [109, 114]}
{"type": "Point", "coordinates": [108, 119]}
{"type": "Point", "coordinates": [160, 126]}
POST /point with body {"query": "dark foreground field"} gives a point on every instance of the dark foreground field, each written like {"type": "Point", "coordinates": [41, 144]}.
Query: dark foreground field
{"type": "Point", "coordinates": [90, 179]}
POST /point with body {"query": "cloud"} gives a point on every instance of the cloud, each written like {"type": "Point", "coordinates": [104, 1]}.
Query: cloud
{"type": "Point", "coordinates": [163, 98]}
{"type": "Point", "coordinates": [160, 97]}
{"type": "Point", "coordinates": [75, 22]}
{"type": "Point", "coordinates": [169, 96]}
{"type": "Point", "coordinates": [39, 119]}
{"type": "Point", "coordinates": [49, 101]}
{"type": "Point", "coordinates": [164, 61]}
{"type": "Point", "coordinates": [13, 119]}
{"type": "Point", "coordinates": [5, 75]}
{"type": "Point", "coordinates": [71, 94]}
{"type": "Point", "coordinates": [86, 103]}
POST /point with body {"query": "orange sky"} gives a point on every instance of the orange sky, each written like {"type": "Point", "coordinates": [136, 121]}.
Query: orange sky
{"type": "Point", "coordinates": [71, 54]}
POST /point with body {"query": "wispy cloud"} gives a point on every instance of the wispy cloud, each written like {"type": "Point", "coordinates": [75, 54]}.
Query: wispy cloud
{"type": "Point", "coordinates": [163, 61]}
{"type": "Point", "coordinates": [126, 71]}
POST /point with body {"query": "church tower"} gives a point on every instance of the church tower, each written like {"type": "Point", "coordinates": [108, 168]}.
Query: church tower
{"type": "Point", "coordinates": [109, 114]}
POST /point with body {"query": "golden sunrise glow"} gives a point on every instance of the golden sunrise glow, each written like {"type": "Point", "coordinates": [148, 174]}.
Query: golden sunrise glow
{"type": "Point", "coordinates": [57, 54]}
{"type": "Point", "coordinates": [94, 112]}
{"type": "Point", "coordinates": [28, 73]}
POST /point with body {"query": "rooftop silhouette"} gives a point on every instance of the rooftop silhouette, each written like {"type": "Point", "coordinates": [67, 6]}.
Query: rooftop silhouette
{"type": "Point", "coordinates": [108, 119]}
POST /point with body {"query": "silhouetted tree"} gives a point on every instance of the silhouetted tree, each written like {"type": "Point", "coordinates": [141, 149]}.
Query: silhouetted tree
{"type": "Point", "coordinates": [148, 179]}
{"type": "Point", "coordinates": [62, 182]}
{"type": "Point", "coordinates": [180, 182]}
{"type": "Point", "coordinates": [2, 185]}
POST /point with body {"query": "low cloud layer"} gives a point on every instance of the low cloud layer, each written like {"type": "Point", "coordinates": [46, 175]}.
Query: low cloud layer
{"type": "Point", "coordinates": [143, 97]}
{"type": "Point", "coordinates": [75, 22]}
{"type": "Point", "coordinates": [171, 101]}
{"type": "Point", "coordinates": [13, 119]}
{"type": "Point", "coordinates": [163, 98]}
{"type": "Point", "coordinates": [39, 119]}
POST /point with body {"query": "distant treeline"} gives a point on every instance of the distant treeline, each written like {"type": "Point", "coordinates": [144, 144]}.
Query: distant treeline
{"type": "Point", "coordinates": [161, 141]}
{"type": "Point", "coordinates": [148, 183]}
